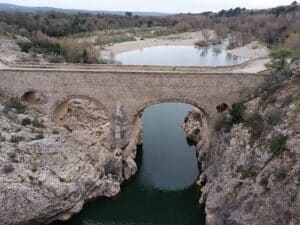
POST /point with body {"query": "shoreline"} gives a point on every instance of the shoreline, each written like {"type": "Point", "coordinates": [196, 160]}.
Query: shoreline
{"type": "Point", "coordinates": [182, 39]}
{"type": "Point", "coordinates": [254, 51]}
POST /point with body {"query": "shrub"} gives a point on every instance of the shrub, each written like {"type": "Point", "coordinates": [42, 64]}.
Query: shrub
{"type": "Point", "coordinates": [220, 123]}
{"type": "Point", "coordinates": [292, 41]}
{"type": "Point", "coordinates": [54, 58]}
{"type": "Point", "coordinates": [45, 44]}
{"type": "Point", "coordinates": [278, 143]}
{"type": "Point", "coordinates": [2, 139]}
{"type": "Point", "coordinates": [12, 155]}
{"type": "Point", "coordinates": [37, 123]}
{"type": "Point", "coordinates": [39, 136]}
{"type": "Point", "coordinates": [256, 123]}
{"type": "Point", "coordinates": [264, 181]}
{"type": "Point", "coordinates": [16, 104]}
{"type": "Point", "coordinates": [274, 116]}
{"type": "Point", "coordinates": [26, 122]}
{"type": "Point", "coordinates": [287, 100]}
{"type": "Point", "coordinates": [25, 46]}
{"type": "Point", "coordinates": [246, 172]}
{"type": "Point", "coordinates": [279, 59]}
{"type": "Point", "coordinates": [272, 99]}
{"type": "Point", "coordinates": [202, 43]}
{"type": "Point", "coordinates": [281, 173]}
{"type": "Point", "coordinates": [34, 168]}
{"type": "Point", "coordinates": [8, 168]}
{"type": "Point", "coordinates": [237, 113]}
{"type": "Point", "coordinates": [16, 139]}
{"type": "Point", "coordinates": [78, 52]}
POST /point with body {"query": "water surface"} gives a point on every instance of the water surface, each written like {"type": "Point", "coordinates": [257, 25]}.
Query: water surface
{"type": "Point", "coordinates": [180, 56]}
{"type": "Point", "coordinates": [162, 192]}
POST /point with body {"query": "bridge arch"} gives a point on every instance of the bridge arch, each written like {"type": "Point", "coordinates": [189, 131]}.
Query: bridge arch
{"type": "Point", "coordinates": [33, 96]}
{"type": "Point", "coordinates": [60, 107]}
{"type": "Point", "coordinates": [194, 103]}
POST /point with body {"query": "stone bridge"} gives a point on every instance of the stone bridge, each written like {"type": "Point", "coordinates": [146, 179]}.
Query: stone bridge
{"type": "Point", "coordinates": [125, 91]}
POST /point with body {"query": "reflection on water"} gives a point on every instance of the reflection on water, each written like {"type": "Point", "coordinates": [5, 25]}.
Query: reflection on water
{"type": "Point", "coordinates": [180, 56]}
{"type": "Point", "coordinates": [162, 192]}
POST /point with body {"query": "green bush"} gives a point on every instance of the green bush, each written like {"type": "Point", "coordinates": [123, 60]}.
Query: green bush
{"type": "Point", "coordinates": [26, 122]}
{"type": "Point", "coordinates": [264, 181]}
{"type": "Point", "coordinates": [25, 46]}
{"type": "Point", "coordinates": [34, 168]}
{"type": "Point", "coordinates": [278, 143]}
{"type": "Point", "coordinates": [16, 139]}
{"type": "Point", "coordinates": [274, 116]}
{"type": "Point", "coordinates": [38, 124]}
{"type": "Point", "coordinates": [256, 124]}
{"type": "Point", "coordinates": [246, 172]}
{"type": "Point", "coordinates": [279, 59]}
{"type": "Point", "coordinates": [237, 113]}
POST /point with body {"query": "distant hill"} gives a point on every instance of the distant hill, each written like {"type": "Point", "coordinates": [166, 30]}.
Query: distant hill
{"type": "Point", "coordinates": [15, 8]}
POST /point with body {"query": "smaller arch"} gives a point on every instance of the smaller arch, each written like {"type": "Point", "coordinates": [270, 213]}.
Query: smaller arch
{"type": "Point", "coordinates": [60, 107]}
{"type": "Point", "coordinates": [33, 97]}
{"type": "Point", "coordinates": [222, 107]}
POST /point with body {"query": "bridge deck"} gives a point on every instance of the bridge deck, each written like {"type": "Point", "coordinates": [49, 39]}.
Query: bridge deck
{"type": "Point", "coordinates": [127, 68]}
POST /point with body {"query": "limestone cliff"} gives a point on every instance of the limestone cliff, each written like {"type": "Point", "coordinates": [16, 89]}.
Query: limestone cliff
{"type": "Point", "coordinates": [49, 170]}
{"type": "Point", "coordinates": [251, 170]}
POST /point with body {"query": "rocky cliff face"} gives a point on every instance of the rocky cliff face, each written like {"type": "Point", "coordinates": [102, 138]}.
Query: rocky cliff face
{"type": "Point", "coordinates": [251, 171]}
{"type": "Point", "coordinates": [49, 170]}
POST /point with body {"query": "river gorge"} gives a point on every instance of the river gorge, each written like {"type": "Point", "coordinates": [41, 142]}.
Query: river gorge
{"type": "Point", "coordinates": [163, 191]}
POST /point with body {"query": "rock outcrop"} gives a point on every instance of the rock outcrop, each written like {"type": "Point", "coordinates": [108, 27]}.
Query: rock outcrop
{"type": "Point", "coordinates": [49, 170]}
{"type": "Point", "coordinates": [251, 171]}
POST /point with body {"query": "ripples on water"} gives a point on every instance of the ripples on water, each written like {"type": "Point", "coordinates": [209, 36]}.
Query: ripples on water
{"type": "Point", "coordinates": [162, 192]}
{"type": "Point", "coordinates": [180, 56]}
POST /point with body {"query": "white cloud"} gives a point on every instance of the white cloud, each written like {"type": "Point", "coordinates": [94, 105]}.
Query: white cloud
{"type": "Point", "coordinates": [152, 5]}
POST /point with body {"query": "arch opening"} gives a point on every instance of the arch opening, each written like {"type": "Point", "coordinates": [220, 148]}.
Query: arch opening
{"type": "Point", "coordinates": [191, 126]}
{"type": "Point", "coordinates": [85, 118]}
{"type": "Point", "coordinates": [72, 104]}
{"type": "Point", "coordinates": [172, 100]}
{"type": "Point", "coordinates": [33, 97]}
{"type": "Point", "coordinates": [222, 108]}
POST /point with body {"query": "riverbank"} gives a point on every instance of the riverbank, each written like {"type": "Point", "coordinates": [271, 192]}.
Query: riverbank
{"type": "Point", "coordinates": [49, 170]}
{"type": "Point", "coordinates": [254, 51]}
{"type": "Point", "coordinates": [250, 171]}
{"type": "Point", "coordinates": [182, 39]}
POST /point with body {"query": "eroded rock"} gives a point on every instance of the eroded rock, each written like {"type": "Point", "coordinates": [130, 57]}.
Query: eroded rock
{"type": "Point", "coordinates": [51, 169]}
{"type": "Point", "coordinates": [251, 176]}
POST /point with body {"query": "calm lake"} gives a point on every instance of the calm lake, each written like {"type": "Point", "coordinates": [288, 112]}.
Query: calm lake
{"type": "Point", "coordinates": [162, 192]}
{"type": "Point", "coordinates": [180, 56]}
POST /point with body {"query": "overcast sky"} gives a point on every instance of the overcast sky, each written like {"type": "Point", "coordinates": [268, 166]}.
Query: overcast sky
{"type": "Point", "coordinates": [153, 5]}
